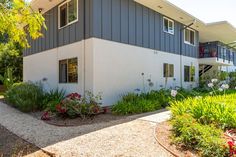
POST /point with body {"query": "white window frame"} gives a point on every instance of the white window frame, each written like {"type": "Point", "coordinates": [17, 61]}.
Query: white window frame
{"type": "Point", "coordinates": [67, 69]}
{"type": "Point", "coordinates": [188, 42]}
{"type": "Point", "coordinates": [173, 25]}
{"type": "Point", "coordinates": [59, 18]}
{"type": "Point", "coordinates": [168, 70]}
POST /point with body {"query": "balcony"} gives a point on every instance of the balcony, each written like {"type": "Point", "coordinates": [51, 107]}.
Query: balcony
{"type": "Point", "coordinates": [216, 53]}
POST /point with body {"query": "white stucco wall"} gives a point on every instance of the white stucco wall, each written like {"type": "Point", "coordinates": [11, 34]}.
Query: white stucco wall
{"type": "Point", "coordinates": [108, 67]}
{"type": "Point", "coordinates": [46, 65]}
{"type": "Point", "coordinates": [118, 68]}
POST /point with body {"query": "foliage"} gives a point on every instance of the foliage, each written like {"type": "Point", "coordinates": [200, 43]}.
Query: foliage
{"type": "Point", "coordinates": [11, 57]}
{"type": "Point", "coordinates": [52, 98]}
{"type": "Point", "coordinates": [74, 105]}
{"type": "Point", "coordinates": [14, 15]}
{"type": "Point", "coordinates": [217, 110]}
{"type": "Point", "coordinates": [232, 82]}
{"type": "Point", "coordinates": [7, 79]}
{"type": "Point", "coordinates": [26, 97]}
{"type": "Point", "coordinates": [204, 138]}
{"type": "Point", "coordinates": [146, 102]}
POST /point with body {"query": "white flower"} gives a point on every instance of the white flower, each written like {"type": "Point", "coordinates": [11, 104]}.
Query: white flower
{"type": "Point", "coordinates": [211, 93]}
{"type": "Point", "coordinates": [225, 86]}
{"type": "Point", "coordinates": [221, 89]}
{"type": "Point", "coordinates": [174, 93]}
{"type": "Point", "coordinates": [235, 88]}
{"type": "Point", "coordinates": [210, 85]}
{"type": "Point", "coordinates": [214, 80]}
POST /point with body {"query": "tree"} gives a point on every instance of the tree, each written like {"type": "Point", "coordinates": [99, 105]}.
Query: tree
{"type": "Point", "coordinates": [11, 57]}
{"type": "Point", "coordinates": [18, 21]}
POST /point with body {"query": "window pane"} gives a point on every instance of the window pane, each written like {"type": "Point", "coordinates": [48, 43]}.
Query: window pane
{"type": "Point", "coordinates": [72, 70]}
{"type": "Point", "coordinates": [192, 74]}
{"type": "Point", "coordinates": [63, 15]}
{"type": "Point", "coordinates": [192, 38]}
{"type": "Point", "coordinates": [72, 7]}
{"type": "Point", "coordinates": [171, 27]}
{"type": "Point", "coordinates": [165, 25]}
{"type": "Point", "coordinates": [63, 71]}
{"type": "Point", "coordinates": [165, 70]}
{"type": "Point", "coordinates": [171, 70]}
{"type": "Point", "coordinates": [186, 73]}
{"type": "Point", "coordinates": [187, 35]}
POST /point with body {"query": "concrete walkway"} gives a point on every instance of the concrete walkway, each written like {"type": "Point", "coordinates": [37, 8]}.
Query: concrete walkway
{"type": "Point", "coordinates": [132, 136]}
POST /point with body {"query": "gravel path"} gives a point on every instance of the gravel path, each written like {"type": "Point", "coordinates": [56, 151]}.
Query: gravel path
{"type": "Point", "coordinates": [131, 136]}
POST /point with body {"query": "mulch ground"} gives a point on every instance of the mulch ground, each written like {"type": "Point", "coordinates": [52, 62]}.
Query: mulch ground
{"type": "Point", "coordinates": [163, 135]}
{"type": "Point", "coordinates": [59, 121]}
{"type": "Point", "coordinates": [13, 146]}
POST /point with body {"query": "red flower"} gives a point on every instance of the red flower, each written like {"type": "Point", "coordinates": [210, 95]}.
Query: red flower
{"type": "Point", "coordinates": [232, 149]}
{"type": "Point", "coordinates": [105, 110]}
{"type": "Point", "coordinates": [74, 96]}
{"type": "Point", "coordinates": [95, 110]}
{"type": "Point", "coordinates": [45, 116]}
{"type": "Point", "coordinates": [60, 109]}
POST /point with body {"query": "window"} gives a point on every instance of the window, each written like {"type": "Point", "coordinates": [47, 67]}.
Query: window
{"type": "Point", "coordinates": [168, 25]}
{"type": "Point", "coordinates": [168, 70]}
{"type": "Point", "coordinates": [189, 73]}
{"type": "Point", "coordinates": [68, 71]}
{"type": "Point", "coordinates": [68, 13]}
{"type": "Point", "coordinates": [189, 36]}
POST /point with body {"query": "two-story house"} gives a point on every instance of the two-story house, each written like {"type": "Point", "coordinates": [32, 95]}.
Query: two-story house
{"type": "Point", "coordinates": [116, 46]}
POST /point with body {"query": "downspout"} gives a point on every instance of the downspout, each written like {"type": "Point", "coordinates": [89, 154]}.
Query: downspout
{"type": "Point", "coordinates": [181, 52]}
{"type": "Point", "coordinates": [84, 36]}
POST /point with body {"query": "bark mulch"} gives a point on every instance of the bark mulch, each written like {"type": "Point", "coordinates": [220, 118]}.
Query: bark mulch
{"type": "Point", "coordinates": [164, 135]}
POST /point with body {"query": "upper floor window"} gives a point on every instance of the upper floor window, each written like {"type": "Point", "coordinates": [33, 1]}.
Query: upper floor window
{"type": "Point", "coordinates": [189, 36]}
{"type": "Point", "coordinates": [168, 25]}
{"type": "Point", "coordinates": [68, 13]}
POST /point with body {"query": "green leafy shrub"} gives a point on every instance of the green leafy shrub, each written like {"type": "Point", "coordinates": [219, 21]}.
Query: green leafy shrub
{"type": "Point", "coordinates": [218, 110]}
{"type": "Point", "coordinates": [206, 139]}
{"type": "Point", "coordinates": [74, 105]}
{"type": "Point", "coordinates": [134, 103]}
{"type": "Point", "coordinates": [26, 97]}
{"type": "Point", "coordinates": [146, 102]}
{"type": "Point", "coordinates": [52, 98]}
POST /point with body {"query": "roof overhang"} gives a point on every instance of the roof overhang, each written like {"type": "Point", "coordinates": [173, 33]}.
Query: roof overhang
{"type": "Point", "coordinates": [218, 31]}
{"type": "Point", "coordinates": [45, 5]}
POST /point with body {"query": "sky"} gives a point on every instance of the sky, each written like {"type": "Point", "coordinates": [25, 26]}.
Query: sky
{"type": "Point", "coordinates": [209, 10]}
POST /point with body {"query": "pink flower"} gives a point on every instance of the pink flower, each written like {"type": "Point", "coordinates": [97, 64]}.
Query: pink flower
{"type": "Point", "coordinates": [45, 116]}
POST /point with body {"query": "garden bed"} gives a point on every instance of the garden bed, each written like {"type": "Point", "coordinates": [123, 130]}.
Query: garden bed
{"type": "Point", "coordinates": [163, 136]}
{"type": "Point", "coordinates": [66, 122]}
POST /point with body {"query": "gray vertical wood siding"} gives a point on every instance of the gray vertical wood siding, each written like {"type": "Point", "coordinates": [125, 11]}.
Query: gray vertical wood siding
{"type": "Point", "coordinates": [54, 37]}
{"type": "Point", "coordinates": [128, 22]}
{"type": "Point", "coordinates": [123, 21]}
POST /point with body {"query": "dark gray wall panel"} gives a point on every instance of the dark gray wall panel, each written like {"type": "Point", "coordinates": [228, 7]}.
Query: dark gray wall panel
{"type": "Point", "coordinates": [106, 19]}
{"type": "Point", "coordinates": [139, 25]}
{"type": "Point", "coordinates": [54, 37]}
{"type": "Point", "coordinates": [151, 29]}
{"type": "Point", "coordinates": [123, 21]}
{"type": "Point", "coordinates": [146, 27]}
{"type": "Point", "coordinates": [116, 20]}
{"type": "Point", "coordinates": [132, 23]}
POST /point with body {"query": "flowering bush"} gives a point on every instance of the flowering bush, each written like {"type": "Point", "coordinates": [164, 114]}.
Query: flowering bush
{"type": "Point", "coordinates": [74, 105]}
